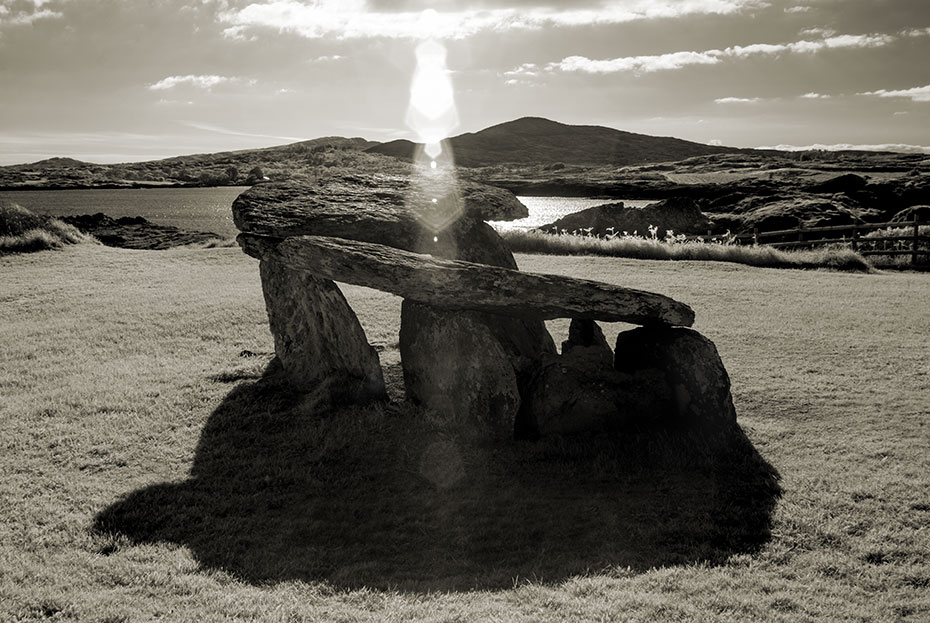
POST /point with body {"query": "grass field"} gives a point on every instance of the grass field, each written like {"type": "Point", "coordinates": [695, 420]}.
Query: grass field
{"type": "Point", "coordinates": [151, 472]}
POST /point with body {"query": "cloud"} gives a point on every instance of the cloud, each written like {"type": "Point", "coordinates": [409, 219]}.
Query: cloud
{"type": "Point", "coordinates": [899, 147]}
{"type": "Point", "coordinates": [808, 47]}
{"type": "Point", "coordinates": [916, 94]}
{"type": "Point", "coordinates": [738, 100]}
{"type": "Point", "coordinates": [917, 32]}
{"type": "Point", "coordinates": [203, 82]}
{"type": "Point", "coordinates": [326, 59]}
{"type": "Point", "coordinates": [206, 127]}
{"type": "Point", "coordinates": [677, 60]}
{"type": "Point", "coordinates": [815, 96]}
{"type": "Point", "coordinates": [25, 16]}
{"type": "Point", "coordinates": [350, 19]}
{"type": "Point", "coordinates": [637, 64]}
{"type": "Point", "coordinates": [797, 9]}
{"type": "Point", "coordinates": [818, 31]}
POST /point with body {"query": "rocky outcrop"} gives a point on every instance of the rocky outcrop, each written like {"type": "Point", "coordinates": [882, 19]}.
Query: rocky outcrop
{"type": "Point", "coordinates": [135, 232]}
{"type": "Point", "coordinates": [677, 214]}
{"type": "Point", "coordinates": [787, 210]}
{"type": "Point", "coordinates": [907, 215]}
{"type": "Point", "coordinates": [847, 183]}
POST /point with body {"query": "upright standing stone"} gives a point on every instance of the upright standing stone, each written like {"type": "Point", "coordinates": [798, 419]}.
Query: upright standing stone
{"type": "Point", "coordinates": [580, 391]}
{"type": "Point", "coordinates": [697, 382]}
{"type": "Point", "coordinates": [455, 366]}
{"type": "Point", "coordinates": [318, 339]}
{"type": "Point", "coordinates": [470, 366]}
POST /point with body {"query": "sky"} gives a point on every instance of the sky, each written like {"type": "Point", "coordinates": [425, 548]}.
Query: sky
{"type": "Point", "coordinates": [127, 80]}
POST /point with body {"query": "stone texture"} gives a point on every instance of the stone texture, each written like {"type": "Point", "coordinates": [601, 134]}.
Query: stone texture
{"type": "Point", "coordinates": [318, 340]}
{"type": "Point", "coordinates": [398, 212]}
{"type": "Point", "coordinates": [455, 366]}
{"type": "Point", "coordinates": [580, 391]}
{"type": "Point", "coordinates": [578, 394]}
{"type": "Point", "coordinates": [520, 342]}
{"type": "Point", "coordinates": [387, 209]}
{"type": "Point", "coordinates": [697, 381]}
{"type": "Point", "coordinates": [586, 342]}
{"type": "Point", "coordinates": [907, 215]}
{"type": "Point", "coordinates": [456, 285]}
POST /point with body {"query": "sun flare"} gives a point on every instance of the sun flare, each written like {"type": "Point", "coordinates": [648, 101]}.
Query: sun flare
{"type": "Point", "coordinates": [432, 115]}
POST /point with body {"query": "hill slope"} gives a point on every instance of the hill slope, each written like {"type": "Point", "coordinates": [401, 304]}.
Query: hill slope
{"type": "Point", "coordinates": [533, 140]}
{"type": "Point", "coordinates": [217, 169]}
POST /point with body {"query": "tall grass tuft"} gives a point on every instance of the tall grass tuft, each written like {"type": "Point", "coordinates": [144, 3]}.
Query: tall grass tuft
{"type": "Point", "coordinates": [676, 248]}
{"type": "Point", "coordinates": [21, 231]}
{"type": "Point", "coordinates": [872, 241]}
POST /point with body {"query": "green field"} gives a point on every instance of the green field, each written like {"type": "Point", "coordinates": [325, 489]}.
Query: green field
{"type": "Point", "coordinates": [151, 472]}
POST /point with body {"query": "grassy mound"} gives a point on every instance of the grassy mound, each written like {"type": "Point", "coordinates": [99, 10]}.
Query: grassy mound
{"type": "Point", "coordinates": [22, 231]}
{"type": "Point", "coordinates": [636, 247]}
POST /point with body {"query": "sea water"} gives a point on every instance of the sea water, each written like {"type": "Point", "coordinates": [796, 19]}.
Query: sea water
{"type": "Point", "coordinates": [544, 210]}
{"type": "Point", "coordinates": [197, 209]}
{"type": "Point", "coordinates": [209, 209]}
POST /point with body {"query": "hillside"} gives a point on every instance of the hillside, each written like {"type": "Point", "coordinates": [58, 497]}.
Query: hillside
{"type": "Point", "coordinates": [529, 156]}
{"type": "Point", "coordinates": [532, 140]}
{"type": "Point", "coordinates": [227, 168]}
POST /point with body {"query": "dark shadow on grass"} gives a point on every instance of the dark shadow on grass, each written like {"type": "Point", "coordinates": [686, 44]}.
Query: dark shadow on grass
{"type": "Point", "coordinates": [379, 497]}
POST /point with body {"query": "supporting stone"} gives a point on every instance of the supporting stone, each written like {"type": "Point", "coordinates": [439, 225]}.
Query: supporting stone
{"type": "Point", "coordinates": [580, 391]}
{"type": "Point", "coordinates": [318, 340]}
{"type": "Point", "coordinates": [455, 366]}
{"type": "Point", "coordinates": [586, 342]}
{"type": "Point", "coordinates": [514, 345]}
{"type": "Point", "coordinates": [698, 384]}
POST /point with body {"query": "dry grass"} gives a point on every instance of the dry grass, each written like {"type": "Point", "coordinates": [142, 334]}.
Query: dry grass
{"type": "Point", "coordinates": [636, 247]}
{"type": "Point", "coordinates": [21, 231]}
{"type": "Point", "coordinates": [871, 242]}
{"type": "Point", "coordinates": [151, 472]}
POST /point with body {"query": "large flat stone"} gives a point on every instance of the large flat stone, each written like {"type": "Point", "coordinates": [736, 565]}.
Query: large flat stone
{"type": "Point", "coordinates": [460, 285]}
{"type": "Point", "coordinates": [398, 211]}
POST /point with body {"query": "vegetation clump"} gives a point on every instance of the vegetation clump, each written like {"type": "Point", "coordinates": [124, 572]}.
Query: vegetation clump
{"type": "Point", "coordinates": [21, 231]}
{"type": "Point", "coordinates": [678, 247]}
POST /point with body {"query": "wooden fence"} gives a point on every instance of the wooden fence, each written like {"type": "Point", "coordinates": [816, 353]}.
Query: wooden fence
{"type": "Point", "coordinates": [852, 235]}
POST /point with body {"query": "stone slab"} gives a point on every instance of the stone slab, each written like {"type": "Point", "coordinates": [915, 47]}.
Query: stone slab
{"type": "Point", "coordinates": [460, 285]}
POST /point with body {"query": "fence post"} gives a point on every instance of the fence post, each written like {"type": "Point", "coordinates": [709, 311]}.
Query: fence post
{"type": "Point", "coordinates": [755, 236]}
{"type": "Point", "coordinates": [855, 238]}
{"type": "Point", "coordinates": [914, 241]}
{"type": "Point", "coordinates": [800, 230]}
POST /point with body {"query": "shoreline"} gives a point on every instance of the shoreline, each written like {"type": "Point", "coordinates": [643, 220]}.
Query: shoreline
{"type": "Point", "coordinates": [136, 232]}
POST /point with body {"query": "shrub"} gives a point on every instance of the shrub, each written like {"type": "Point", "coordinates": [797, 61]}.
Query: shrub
{"type": "Point", "coordinates": [21, 231]}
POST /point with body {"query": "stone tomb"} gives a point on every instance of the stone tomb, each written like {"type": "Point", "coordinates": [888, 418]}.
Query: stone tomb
{"type": "Point", "coordinates": [474, 347]}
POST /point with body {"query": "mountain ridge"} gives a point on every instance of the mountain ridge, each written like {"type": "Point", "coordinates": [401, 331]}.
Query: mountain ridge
{"type": "Point", "coordinates": [536, 140]}
{"type": "Point", "coordinates": [530, 154]}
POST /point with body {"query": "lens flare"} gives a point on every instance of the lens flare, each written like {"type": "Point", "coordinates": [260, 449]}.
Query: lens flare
{"type": "Point", "coordinates": [432, 115]}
